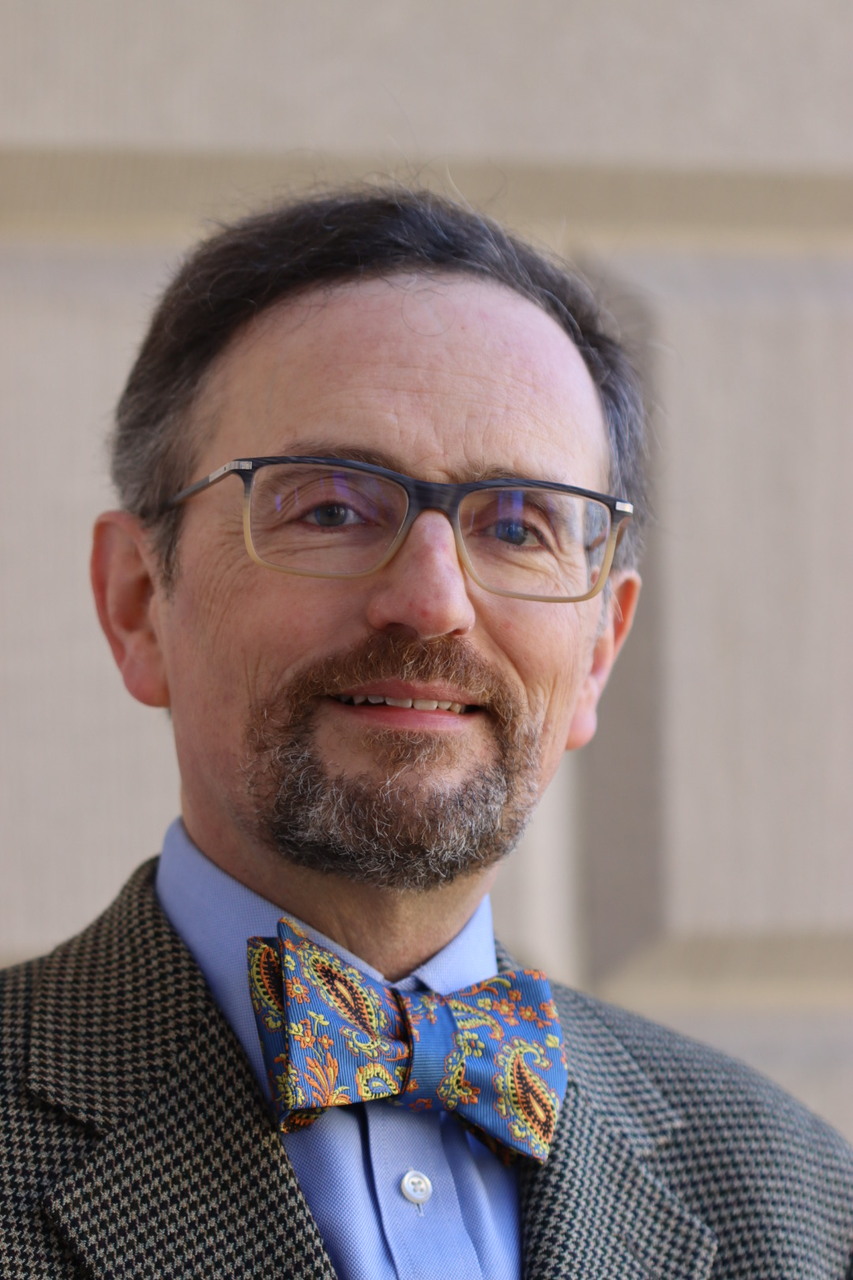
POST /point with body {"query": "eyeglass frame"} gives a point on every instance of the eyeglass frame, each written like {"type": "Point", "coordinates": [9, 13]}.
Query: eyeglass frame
{"type": "Point", "coordinates": [423, 495]}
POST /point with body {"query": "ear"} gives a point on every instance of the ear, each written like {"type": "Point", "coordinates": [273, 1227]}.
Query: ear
{"type": "Point", "coordinates": [619, 607]}
{"type": "Point", "coordinates": [127, 596]}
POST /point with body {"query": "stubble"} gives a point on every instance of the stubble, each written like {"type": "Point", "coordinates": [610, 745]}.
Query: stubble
{"type": "Point", "coordinates": [404, 826]}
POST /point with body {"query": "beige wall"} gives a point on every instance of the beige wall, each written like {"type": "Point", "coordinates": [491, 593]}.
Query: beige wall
{"type": "Point", "coordinates": [761, 83]}
{"type": "Point", "coordinates": [694, 863]}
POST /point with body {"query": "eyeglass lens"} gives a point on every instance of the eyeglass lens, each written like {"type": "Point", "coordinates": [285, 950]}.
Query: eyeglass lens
{"type": "Point", "coordinates": [315, 519]}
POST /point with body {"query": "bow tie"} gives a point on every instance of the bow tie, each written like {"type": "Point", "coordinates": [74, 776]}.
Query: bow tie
{"type": "Point", "coordinates": [493, 1053]}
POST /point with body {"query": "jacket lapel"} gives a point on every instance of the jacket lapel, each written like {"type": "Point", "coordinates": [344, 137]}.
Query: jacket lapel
{"type": "Point", "coordinates": [182, 1172]}
{"type": "Point", "coordinates": [597, 1210]}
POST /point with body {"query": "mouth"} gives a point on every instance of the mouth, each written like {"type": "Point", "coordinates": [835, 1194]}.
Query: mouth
{"type": "Point", "coordinates": [408, 704]}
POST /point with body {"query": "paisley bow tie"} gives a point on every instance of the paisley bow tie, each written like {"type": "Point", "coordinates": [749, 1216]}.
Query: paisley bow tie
{"type": "Point", "coordinates": [493, 1053]}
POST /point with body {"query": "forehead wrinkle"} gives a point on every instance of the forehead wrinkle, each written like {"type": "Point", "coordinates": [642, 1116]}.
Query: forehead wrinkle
{"type": "Point", "coordinates": [494, 349]}
{"type": "Point", "coordinates": [475, 411]}
{"type": "Point", "coordinates": [525, 396]}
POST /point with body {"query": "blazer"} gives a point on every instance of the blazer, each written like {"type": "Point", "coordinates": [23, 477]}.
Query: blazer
{"type": "Point", "coordinates": [136, 1142]}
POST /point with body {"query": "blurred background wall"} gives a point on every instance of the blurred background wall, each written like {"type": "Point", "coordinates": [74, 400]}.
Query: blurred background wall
{"type": "Point", "coordinates": [695, 862]}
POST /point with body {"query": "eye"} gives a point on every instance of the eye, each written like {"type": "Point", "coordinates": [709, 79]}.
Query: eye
{"type": "Point", "coordinates": [510, 520]}
{"type": "Point", "coordinates": [515, 533]}
{"type": "Point", "coordinates": [332, 515]}
{"type": "Point", "coordinates": [325, 502]}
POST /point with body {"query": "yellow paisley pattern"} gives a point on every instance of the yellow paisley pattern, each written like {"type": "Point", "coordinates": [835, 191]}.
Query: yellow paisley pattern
{"type": "Point", "coordinates": [492, 1054]}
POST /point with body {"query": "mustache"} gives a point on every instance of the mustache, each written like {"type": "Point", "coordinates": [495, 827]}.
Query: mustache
{"type": "Point", "coordinates": [383, 657]}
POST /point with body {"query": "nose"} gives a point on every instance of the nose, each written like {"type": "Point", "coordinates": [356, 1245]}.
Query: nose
{"type": "Point", "coordinates": [423, 591]}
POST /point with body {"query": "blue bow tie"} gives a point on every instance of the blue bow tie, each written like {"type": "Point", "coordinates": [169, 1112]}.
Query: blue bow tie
{"type": "Point", "coordinates": [492, 1054]}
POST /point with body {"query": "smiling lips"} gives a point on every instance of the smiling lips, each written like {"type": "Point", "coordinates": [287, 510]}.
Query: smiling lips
{"type": "Point", "coordinates": [418, 704]}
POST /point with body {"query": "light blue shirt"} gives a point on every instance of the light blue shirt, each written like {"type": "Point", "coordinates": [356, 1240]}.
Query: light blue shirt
{"type": "Point", "coordinates": [351, 1162]}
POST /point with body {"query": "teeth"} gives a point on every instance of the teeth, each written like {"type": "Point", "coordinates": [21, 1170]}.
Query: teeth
{"type": "Point", "coordinates": [419, 704]}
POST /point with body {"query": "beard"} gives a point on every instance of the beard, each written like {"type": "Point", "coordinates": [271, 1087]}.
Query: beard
{"type": "Point", "coordinates": [403, 826]}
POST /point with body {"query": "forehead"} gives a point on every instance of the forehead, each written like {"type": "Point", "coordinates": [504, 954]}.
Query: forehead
{"type": "Point", "coordinates": [442, 377]}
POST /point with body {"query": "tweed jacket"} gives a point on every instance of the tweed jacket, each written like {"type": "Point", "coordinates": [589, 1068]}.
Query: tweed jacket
{"type": "Point", "coordinates": [135, 1142]}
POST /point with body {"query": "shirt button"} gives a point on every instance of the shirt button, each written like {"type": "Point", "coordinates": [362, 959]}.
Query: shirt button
{"type": "Point", "coordinates": [416, 1187]}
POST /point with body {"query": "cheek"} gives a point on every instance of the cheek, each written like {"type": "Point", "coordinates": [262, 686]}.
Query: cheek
{"type": "Point", "coordinates": [250, 630]}
{"type": "Point", "coordinates": [553, 661]}
{"type": "Point", "coordinates": [205, 638]}
{"type": "Point", "coordinates": [551, 651]}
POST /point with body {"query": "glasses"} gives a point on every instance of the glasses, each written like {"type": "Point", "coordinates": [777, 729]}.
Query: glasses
{"type": "Point", "coordinates": [321, 518]}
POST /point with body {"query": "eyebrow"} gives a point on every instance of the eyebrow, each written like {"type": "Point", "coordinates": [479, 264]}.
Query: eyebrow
{"type": "Point", "coordinates": [379, 458]}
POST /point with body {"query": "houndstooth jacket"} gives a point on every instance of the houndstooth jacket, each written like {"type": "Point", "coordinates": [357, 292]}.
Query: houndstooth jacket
{"type": "Point", "coordinates": [136, 1144]}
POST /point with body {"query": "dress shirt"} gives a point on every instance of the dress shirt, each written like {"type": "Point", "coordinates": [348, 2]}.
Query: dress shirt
{"type": "Point", "coordinates": [352, 1161]}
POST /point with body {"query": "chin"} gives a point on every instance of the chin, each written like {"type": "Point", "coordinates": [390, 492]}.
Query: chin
{"type": "Point", "coordinates": [414, 826]}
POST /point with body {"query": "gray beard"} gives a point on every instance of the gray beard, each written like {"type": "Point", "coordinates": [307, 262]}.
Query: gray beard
{"type": "Point", "coordinates": [405, 829]}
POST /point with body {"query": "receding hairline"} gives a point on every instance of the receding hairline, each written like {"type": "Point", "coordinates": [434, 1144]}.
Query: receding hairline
{"type": "Point", "coordinates": [203, 412]}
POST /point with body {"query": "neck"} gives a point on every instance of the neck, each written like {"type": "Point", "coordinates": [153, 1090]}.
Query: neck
{"type": "Point", "coordinates": [392, 930]}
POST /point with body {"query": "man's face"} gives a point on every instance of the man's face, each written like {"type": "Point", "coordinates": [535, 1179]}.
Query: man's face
{"type": "Point", "coordinates": [265, 673]}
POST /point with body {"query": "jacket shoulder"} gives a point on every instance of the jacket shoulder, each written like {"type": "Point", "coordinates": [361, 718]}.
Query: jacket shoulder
{"type": "Point", "coordinates": [698, 1080]}
{"type": "Point", "coordinates": [771, 1178]}
{"type": "Point", "coordinates": [17, 985]}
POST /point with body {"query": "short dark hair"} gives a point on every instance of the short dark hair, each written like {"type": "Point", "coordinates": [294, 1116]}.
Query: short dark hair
{"type": "Point", "coordinates": [342, 236]}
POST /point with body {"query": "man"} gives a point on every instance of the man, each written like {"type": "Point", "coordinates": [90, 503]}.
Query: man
{"type": "Point", "coordinates": [373, 658]}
